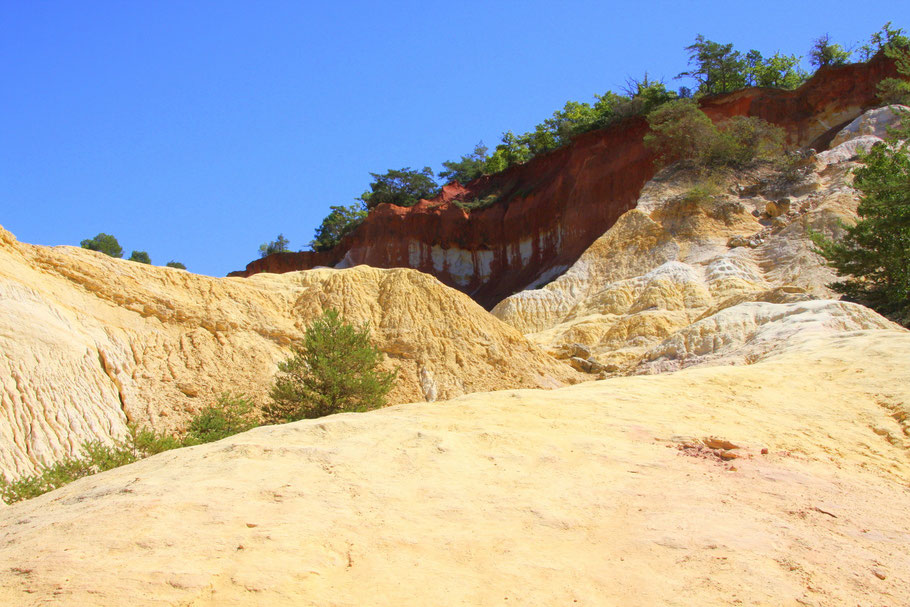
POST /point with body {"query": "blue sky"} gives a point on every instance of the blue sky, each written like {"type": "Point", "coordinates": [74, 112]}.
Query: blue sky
{"type": "Point", "coordinates": [198, 130]}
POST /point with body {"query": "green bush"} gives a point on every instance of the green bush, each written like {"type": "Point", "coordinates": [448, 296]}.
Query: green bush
{"type": "Point", "coordinates": [140, 257]}
{"type": "Point", "coordinates": [874, 254]}
{"type": "Point", "coordinates": [742, 140]}
{"type": "Point", "coordinates": [232, 414]}
{"type": "Point", "coordinates": [403, 188]}
{"type": "Point", "coordinates": [339, 222]}
{"type": "Point", "coordinates": [681, 131]}
{"type": "Point", "coordinates": [279, 245]}
{"type": "Point", "coordinates": [477, 203]}
{"type": "Point", "coordinates": [334, 368]}
{"type": "Point", "coordinates": [175, 264]}
{"type": "Point", "coordinates": [104, 243]}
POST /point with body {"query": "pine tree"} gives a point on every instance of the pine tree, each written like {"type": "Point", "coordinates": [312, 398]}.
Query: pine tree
{"type": "Point", "coordinates": [333, 369]}
{"type": "Point", "coordinates": [874, 254]}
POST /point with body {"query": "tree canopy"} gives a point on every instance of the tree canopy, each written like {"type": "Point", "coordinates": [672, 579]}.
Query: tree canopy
{"type": "Point", "coordinates": [279, 245]}
{"type": "Point", "coordinates": [824, 53]}
{"type": "Point", "coordinates": [140, 257]}
{"type": "Point", "coordinates": [337, 223]}
{"type": "Point", "coordinates": [874, 254]}
{"type": "Point", "coordinates": [334, 368]}
{"type": "Point", "coordinates": [104, 243]}
{"type": "Point", "coordinates": [403, 187]}
{"type": "Point", "coordinates": [467, 169]}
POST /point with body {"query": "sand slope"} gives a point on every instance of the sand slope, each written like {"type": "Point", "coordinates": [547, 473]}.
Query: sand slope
{"type": "Point", "coordinates": [597, 494]}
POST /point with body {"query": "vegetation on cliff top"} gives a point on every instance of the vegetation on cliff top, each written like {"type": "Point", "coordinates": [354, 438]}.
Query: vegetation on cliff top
{"type": "Point", "coordinates": [108, 244]}
{"type": "Point", "coordinates": [715, 67]}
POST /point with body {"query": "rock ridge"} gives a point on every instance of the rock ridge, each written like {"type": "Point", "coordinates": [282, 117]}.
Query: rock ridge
{"type": "Point", "coordinates": [553, 207]}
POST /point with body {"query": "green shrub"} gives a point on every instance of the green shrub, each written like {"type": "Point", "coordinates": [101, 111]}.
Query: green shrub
{"type": "Point", "coordinates": [104, 243]}
{"type": "Point", "coordinates": [143, 442]}
{"type": "Point", "coordinates": [46, 479]}
{"type": "Point", "coordinates": [175, 264]}
{"type": "Point", "coordinates": [333, 369]}
{"type": "Point", "coordinates": [279, 245]}
{"type": "Point", "coordinates": [96, 456]}
{"type": "Point", "coordinates": [681, 131]}
{"type": "Point", "coordinates": [339, 222]}
{"type": "Point", "coordinates": [140, 257]}
{"type": "Point", "coordinates": [231, 415]}
{"type": "Point", "coordinates": [701, 193]}
{"type": "Point", "coordinates": [742, 140]}
{"type": "Point", "coordinates": [874, 254]}
{"type": "Point", "coordinates": [477, 203]}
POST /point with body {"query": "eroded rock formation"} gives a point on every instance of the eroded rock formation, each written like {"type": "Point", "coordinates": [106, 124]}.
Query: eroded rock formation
{"type": "Point", "coordinates": [88, 342]}
{"type": "Point", "coordinates": [552, 208]}
{"type": "Point", "coordinates": [778, 483]}
{"type": "Point", "coordinates": [701, 271]}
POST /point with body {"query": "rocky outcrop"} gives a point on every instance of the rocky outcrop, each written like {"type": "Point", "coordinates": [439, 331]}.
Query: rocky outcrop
{"type": "Point", "coordinates": [88, 342]}
{"type": "Point", "coordinates": [778, 483]}
{"type": "Point", "coordinates": [639, 298]}
{"type": "Point", "coordinates": [551, 209]}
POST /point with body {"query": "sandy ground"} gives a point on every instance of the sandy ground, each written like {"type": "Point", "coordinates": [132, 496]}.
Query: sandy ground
{"type": "Point", "coordinates": [603, 493]}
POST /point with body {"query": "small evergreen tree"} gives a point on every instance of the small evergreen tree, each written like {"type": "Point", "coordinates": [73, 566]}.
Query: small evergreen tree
{"type": "Point", "coordinates": [883, 40]}
{"type": "Point", "coordinates": [333, 369]}
{"type": "Point", "coordinates": [140, 257]}
{"type": "Point", "coordinates": [874, 254]}
{"type": "Point", "coordinates": [823, 53]}
{"type": "Point", "coordinates": [279, 245]}
{"type": "Point", "coordinates": [336, 224]}
{"type": "Point", "coordinates": [404, 187]}
{"type": "Point", "coordinates": [467, 169]}
{"type": "Point", "coordinates": [897, 90]}
{"type": "Point", "coordinates": [175, 264]}
{"type": "Point", "coordinates": [716, 67]}
{"type": "Point", "coordinates": [104, 243]}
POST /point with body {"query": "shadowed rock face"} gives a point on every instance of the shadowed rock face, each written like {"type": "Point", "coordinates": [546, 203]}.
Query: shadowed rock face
{"type": "Point", "coordinates": [549, 210]}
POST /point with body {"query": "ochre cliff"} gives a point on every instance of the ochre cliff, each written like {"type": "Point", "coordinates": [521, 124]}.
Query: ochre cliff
{"type": "Point", "coordinates": [685, 279]}
{"type": "Point", "coordinates": [88, 342]}
{"type": "Point", "coordinates": [552, 208]}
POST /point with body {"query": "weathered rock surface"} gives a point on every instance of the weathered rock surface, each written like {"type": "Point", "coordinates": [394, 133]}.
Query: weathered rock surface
{"type": "Point", "coordinates": [638, 297]}
{"type": "Point", "coordinates": [551, 209]}
{"type": "Point", "coordinates": [778, 483]}
{"type": "Point", "coordinates": [88, 342]}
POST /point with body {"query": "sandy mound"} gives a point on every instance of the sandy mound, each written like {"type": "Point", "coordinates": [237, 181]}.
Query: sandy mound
{"type": "Point", "coordinates": [691, 249]}
{"type": "Point", "coordinates": [600, 493]}
{"type": "Point", "coordinates": [87, 342]}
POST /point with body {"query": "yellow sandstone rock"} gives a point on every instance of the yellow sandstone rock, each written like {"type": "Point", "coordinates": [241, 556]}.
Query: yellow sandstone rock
{"type": "Point", "coordinates": [88, 342]}
{"type": "Point", "coordinates": [692, 249]}
{"type": "Point", "coordinates": [583, 495]}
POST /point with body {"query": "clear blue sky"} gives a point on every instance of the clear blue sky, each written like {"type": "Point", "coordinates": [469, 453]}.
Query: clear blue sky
{"type": "Point", "coordinates": [198, 130]}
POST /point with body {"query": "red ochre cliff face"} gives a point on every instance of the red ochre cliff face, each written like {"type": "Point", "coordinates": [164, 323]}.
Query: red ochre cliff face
{"type": "Point", "coordinates": [550, 209]}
